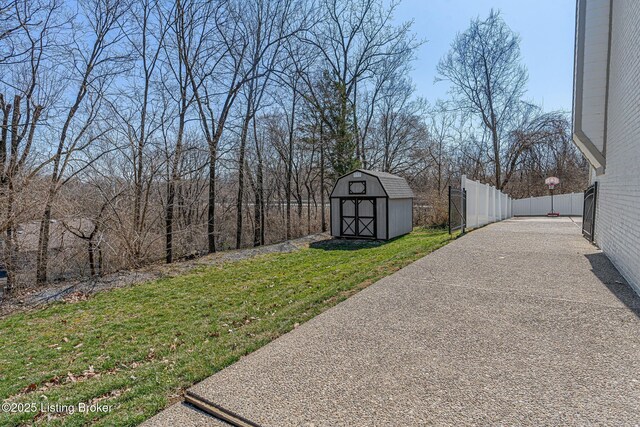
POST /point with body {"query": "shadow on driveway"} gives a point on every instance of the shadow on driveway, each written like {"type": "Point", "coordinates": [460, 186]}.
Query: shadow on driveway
{"type": "Point", "coordinates": [607, 273]}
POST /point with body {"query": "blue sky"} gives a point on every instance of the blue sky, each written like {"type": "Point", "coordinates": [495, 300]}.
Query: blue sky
{"type": "Point", "coordinates": [546, 28]}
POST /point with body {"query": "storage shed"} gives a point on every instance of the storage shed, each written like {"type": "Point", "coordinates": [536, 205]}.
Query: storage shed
{"type": "Point", "coordinates": [371, 205]}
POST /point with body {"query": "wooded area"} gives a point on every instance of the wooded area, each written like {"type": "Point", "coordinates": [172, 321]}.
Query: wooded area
{"type": "Point", "coordinates": [139, 131]}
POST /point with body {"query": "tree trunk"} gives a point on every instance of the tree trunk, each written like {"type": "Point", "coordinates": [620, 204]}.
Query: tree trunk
{"type": "Point", "coordinates": [256, 217]}
{"type": "Point", "coordinates": [308, 187]}
{"type": "Point", "coordinates": [241, 160]}
{"type": "Point", "coordinates": [262, 201]}
{"type": "Point", "coordinates": [290, 165]}
{"type": "Point", "coordinates": [9, 245]}
{"type": "Point", "coordinates": [173, 179]}
{"type": "Point", "coordinates": [299, 201]}
{"type": "Point", "coordinates": [43, 242]}
{"type": "Point", "coordinates": [258, 232]}
{"type": "Point", "coordinates": [211, 213]}
{"type": "Point", "coordinates": [322, 200]}
{"type": "Point", "coordinates": [496, 153]}
{"type": "Point", "coordinates": [169, 221]}
{"type": "Point", "coordinates": [137, 204]}
{"type": "Point", "coordinates": [100, 261]}
{"type": "Point", "coordinates": [92, 262]}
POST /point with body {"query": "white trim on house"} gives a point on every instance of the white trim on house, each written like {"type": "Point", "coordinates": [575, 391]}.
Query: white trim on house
{"type": "Point", "coordinates": [591, 80]}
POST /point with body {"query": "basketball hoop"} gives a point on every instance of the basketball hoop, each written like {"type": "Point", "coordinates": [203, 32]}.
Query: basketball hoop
{"type": "Point", "coordinates": [552, 181]}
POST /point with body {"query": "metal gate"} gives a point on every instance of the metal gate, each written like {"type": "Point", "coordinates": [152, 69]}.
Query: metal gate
{"type": "Point", "coordinates": [358, 217]}
{"type": "Point", "coordinates": [589, 211]}
{"type": "Point", "coordinates": [457, 209]}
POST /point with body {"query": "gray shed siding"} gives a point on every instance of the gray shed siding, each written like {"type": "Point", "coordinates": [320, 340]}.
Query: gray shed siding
{"type": "Point", "coordinates": [381, 218]}
{"type": "Point", "coordinates": [335, 216]}
{"type": "Point", "coordinates": [400, 217]}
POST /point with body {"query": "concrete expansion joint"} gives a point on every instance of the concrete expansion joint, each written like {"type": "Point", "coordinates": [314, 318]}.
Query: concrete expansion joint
{"type": "Point", "coordinates": [534, 296]}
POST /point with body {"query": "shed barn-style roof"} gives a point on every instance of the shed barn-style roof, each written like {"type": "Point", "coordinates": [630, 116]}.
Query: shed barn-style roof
{"type": "Point", "coordinates": [395, 186]}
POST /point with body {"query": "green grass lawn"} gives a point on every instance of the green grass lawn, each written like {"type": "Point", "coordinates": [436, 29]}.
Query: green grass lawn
{"type": "Point", "coordinates": [136, 349]}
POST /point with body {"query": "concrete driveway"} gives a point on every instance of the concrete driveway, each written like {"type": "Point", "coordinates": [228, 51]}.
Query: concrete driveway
{"type": "Point", "coordinates": [522, 322]}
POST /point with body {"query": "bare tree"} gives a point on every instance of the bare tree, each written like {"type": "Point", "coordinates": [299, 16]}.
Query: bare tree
{"type": "Point", "coordinates": [16, 140]}
{"type": "Point", "coordinates": [441, 141]}
{"type": "Point", "coordinates": [356, 42]}
{"type": "Point", "coordinates": [275, 22]}
{"type": "Point", "coordinates": [215, 67]}
{"type": "Point", "coordinates": [487, 79]}
{"type": "Point", "coordinates": [540, 137]}
{"type": "Point", "coordinates": [91, 228]}
{"type": "Point", "coordinates": [146, 36]}
{"type": "Point", "coordinates": [400, 128]}
{"type": "Point", "coordinates": [27, 40]}
{"type": "Point", "coordinates": [177, 65]}
{"type": "Point", "coordinates": [95, 63]}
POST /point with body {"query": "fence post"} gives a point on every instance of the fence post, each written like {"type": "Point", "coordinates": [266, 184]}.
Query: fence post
{"type": "Point", "coordinates": [488, 196]}
{"type": "Point", "coordinates": [449, 205]}
{"type": "Point", "coordinates": [493, 203]}
{"type": "Point", "coordinates": [463, 185]}
{"type": "Point", "coordinates": [497, 203]}
{"type": "Point", "coordinates": [477, 204]}
{"type": "Point", "coordinates": [463, 195]}
{"type": "Point", "coordinates": [487, 191]}
{"type": "Point", "coordinates": [504, 206]}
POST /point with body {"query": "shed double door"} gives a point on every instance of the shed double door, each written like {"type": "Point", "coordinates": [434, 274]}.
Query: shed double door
{"type": "Point", "coordinates": [358, 217]}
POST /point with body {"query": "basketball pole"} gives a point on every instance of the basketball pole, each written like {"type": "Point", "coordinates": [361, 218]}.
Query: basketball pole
{"type": "Point", "coordinates": [552, 181]}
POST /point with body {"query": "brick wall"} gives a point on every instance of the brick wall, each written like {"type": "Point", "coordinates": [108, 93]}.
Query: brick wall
{"type": "Point", "coordinates": [617, 230]}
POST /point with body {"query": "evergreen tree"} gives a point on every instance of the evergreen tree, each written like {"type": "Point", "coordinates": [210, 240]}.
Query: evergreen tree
{"type": "Point", "coordinates": [338, 117]}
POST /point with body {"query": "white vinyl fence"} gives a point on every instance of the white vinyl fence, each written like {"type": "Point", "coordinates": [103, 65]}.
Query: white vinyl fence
{"type": "Point", "coordinates": [485, 204]}
{"type": "Point", "coordinates": [565, 204]}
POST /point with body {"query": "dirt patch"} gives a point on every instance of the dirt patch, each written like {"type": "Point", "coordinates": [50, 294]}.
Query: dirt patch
{"type": "Point", "coordinates": [80, 290]}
